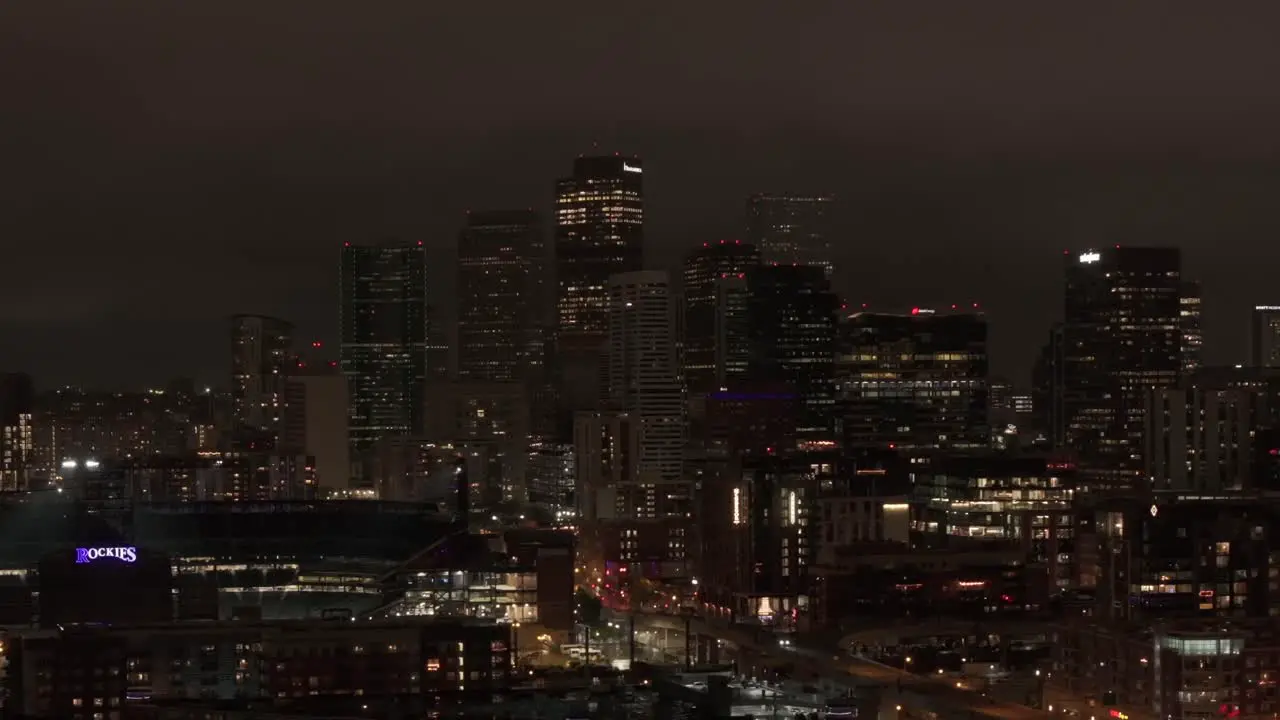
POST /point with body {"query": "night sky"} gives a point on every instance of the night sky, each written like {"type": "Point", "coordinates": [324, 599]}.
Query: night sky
{"type": "Point", "coordinates": [164, 164]}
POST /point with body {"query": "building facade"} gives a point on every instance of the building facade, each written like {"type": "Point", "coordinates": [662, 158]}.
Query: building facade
{"type": "Point", "coordinates": [914, 382]}
{"type": "Point", "coordinates": [383, 325]}
{"type": "Point", "coordinates": [599, 232]}
{"type": "Point", "coordinates": [501, 269]}
{"type": "Point", "coordinates": [714, 319]}
{"type": "Point", "coordinates": [262, 358]}
{"type": "Point", "coordinates": [792, 337]}
{"type": "Point", "coordinates": [791, 229]}
{"type": "Point", "coordinates": [1265, 336]}
{"type": "Point", "coordinates": [17, 438]}
{"type": "Point", "coordinates": [1122, 336]}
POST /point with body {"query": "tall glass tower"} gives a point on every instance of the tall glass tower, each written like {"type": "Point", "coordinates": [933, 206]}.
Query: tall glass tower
{"type": "Point", "coordinates": [599, 233]}
{"type": "Point", "coordinates": [383, 324]}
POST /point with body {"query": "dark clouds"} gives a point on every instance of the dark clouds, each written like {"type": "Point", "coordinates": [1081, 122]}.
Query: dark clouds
{"type": "Point", "coordinates": [164, 164]}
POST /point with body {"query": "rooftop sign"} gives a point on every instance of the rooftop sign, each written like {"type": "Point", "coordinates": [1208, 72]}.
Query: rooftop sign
{"type": "Point", "coordinates": [631, 168]}
{"type": "Point", "coordinates": [84, 556]}
{"type": "Point", "coordinates": [1090, 257]}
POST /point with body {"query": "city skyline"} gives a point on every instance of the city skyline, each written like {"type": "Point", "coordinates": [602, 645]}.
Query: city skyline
{"type": "Point", "coordinates": [235, 195]}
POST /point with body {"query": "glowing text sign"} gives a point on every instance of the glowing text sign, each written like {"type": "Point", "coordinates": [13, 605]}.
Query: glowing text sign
{"type": "Point", "coordinates": [631, 168]}
{"type": "Point", "coordinates": [1090, 257]}
{"type": "Point", "coordinates": [84, 556]}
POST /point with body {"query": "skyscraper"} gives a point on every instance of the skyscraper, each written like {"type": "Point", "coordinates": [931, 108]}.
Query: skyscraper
{"type": "Point", "coordinates": [635, 505]}
{"type": "Point", "coordinates": [599, 233]}
{"type": "Point", "coordinates": [1192, 331]}
{"type": "Point", "coordinates": [383, 325]}
{"type": "Point", "coordinates": [261, 360]}
{"type": "Point", "coordinates": [1265, 335]}
{"type": "Point", "coordinates": [642, 373]}
{"type": "Point", "coordinates": [714, 313]}
{"type": "Point", "coordinates": [793, 340]}
{"type": "Point", "coordinates": [791, 229]}
{"type": "Point", "coordinates": [1122, 336]}
{"type": "Point", "coordinates": [501, 264]}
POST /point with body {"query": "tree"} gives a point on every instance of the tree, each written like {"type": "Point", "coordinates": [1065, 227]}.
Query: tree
{"type": "Point", "coordinates": [589, 607]}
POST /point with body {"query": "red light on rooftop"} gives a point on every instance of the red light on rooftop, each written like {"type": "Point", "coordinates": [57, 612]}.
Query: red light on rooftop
{"type": "Point", "coordinates": [915, 311]}
{"type": "Point", "coordinates": [953, 306]}
{"type": "Point", "coordinates": [975, 304]}
{"type": "Point", "coordinates": [741, 275]}
{"type": "Point", "coordinates": [419, 243]}
{"type": "Point", "coordinates": [333, 363]}
{"type": "Point", "coordinates": [315, 344]}
{"type": "Point", "coordinates": [864, 306]}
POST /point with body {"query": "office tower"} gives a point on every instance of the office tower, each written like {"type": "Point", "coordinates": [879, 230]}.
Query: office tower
{"type": "Point", "coordinates": [915, 382]}
{"type": "Point", "coordinates": [1122, 336]}
{"type": "Point", "coordinates": [1211, 433]}
{"type": "Point", "coordinates": [1192, 333]}
{"type": "Point", "coordinates": [315, 422]}
{"type": "Point", "coordinates": [793, 342]}
{"type": "Point", "coordinates": [599, 233]}
{"type": "Point", "coordinates": [383, 326]}
{"type": "Point", "coordinates": [633, 500]}
{"type": "Point", "coordinates": [261, 360]}
{"type": "Point", "coordinates": [439, 342]}
{"type": "Point", "coordinates": [791, 229]}
{"type": "Point", "coordinates": [501, 266]}
{"type": "Point", "coordinates": [714, 314]}
{"type": "Point", "coordinates": [1265, 336]}
{"type": "Point", "coordinates": [17, 398]}
{"type": "Point", "coordinates": [641, 370]}
{"type": "Point", "coordinates": [1047, 387]}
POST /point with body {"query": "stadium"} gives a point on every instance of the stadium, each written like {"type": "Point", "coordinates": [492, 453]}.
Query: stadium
{"type": "Point", "coordinates": [274, 560]}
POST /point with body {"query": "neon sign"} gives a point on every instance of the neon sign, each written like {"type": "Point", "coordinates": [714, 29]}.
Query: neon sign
{"type": "Point", "coordinates": [84, 556]}
{"type": "Point", "coordinates": [1090, 257]}
{"type": "Point", "coordinates": [631, 168]}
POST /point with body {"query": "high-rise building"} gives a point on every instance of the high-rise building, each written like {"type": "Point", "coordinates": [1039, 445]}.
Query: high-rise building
{"type": "Point", "coordinates": [915, 382]}
{"type": "Point", "coordinates": [1047, 390]}
{"type": "Point", "coordinates": [642, 373]}
{"type": "Point", "coordinates": [634, 502]}
{"type": "Point", "coordinates": [383, 325]}
{"type": "Point", "coordinates": [1122, 336]}
{"type": "Point", "coordinates": [791, 229]}
{"type": "Point", "coordinates": [315, 423]}
{"type": "Point", "coordinates": [793, 341]}
{"type": "Point", "coordinates": [439, 342]}
{"type": "Point", "coordinates": [501, 266]}
{"type": "Point", "coordinates": [261, 359]}
{"type": "Point", "coordinates": [599, 233]}
{"type": "Point", "coordinates": [714, 314]}
{"type": "Point", "coordinates": [17, 398]}
{"type": "Point", "coordinates": [1265, 336]}
{"type": "Point", "coordinates": [1192, 331]}
{"type": "Point", "coordinates": [1214, 431]}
